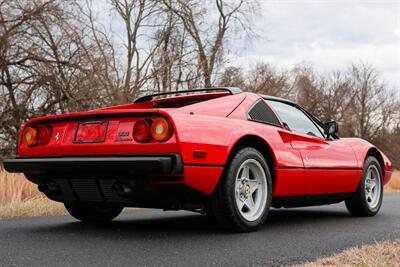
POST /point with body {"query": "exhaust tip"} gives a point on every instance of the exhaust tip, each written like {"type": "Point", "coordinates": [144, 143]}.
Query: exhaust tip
{"type": "Point", "coordinates": [122, 190]}
{"type": "Point", "coordinates": [49, 188]}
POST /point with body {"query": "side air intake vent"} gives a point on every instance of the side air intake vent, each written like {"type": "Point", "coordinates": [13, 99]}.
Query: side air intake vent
{"type": "Point", "coordinates": [261, 112]}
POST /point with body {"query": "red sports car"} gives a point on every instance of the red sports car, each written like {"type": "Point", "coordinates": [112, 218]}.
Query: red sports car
{"type": "Point", "coordinates": [220, 151]}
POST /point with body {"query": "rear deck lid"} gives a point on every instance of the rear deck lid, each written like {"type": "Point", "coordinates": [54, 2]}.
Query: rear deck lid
{"type": "Point", "coordinates": [103, 132]}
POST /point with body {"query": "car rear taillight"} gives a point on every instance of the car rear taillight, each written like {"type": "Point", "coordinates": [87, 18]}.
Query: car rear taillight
{"type": "Point", "coordinates": [161, 129]}
{"type": "Point", "coordinates": [30, 136]}
{"type": "Point", "coordinates": [44, 135]}
{"type": "Point", "coordinates": [37, 136]}
{"type": "Point", "coordinates": [141, 131]}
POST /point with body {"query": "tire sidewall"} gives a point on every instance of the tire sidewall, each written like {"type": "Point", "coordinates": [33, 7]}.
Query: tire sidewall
{"type": "Point", "coordinates": [232, 172]}
{"type": "Point", "coordinates": [92, 212]}
{"type": "Point", "coordinates": [368, 162]}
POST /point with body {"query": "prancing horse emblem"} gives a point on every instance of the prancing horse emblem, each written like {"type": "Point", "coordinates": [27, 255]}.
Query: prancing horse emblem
{"type": "Point", "coordinates": [57, 137]}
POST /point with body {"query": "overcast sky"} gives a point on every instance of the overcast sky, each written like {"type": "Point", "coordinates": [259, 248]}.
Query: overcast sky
{"type": "Point", "coordinates": [329, 34]}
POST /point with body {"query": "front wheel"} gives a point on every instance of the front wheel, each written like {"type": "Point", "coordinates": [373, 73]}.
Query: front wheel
{"type": "Point", "coordinates": [367, 200]}
{"type": "Point", "coordinates": [243, 196]}
{"type": "Point", "coordinates": [93, 212]}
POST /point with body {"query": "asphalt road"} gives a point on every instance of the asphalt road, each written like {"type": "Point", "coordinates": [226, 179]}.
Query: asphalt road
{"type": "Point", "coordinates": [155, 238]}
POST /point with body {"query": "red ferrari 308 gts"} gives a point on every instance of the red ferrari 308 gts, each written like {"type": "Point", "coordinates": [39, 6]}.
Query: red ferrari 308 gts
{"type": "Point", "coordinates": [220, 151]}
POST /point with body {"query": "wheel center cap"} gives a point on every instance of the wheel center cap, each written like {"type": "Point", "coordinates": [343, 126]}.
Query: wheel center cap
{"type": "Point", "coordinates": [247, 190]}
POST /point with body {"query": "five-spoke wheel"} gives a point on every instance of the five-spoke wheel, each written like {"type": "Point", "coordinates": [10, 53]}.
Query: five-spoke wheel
{"type": "Point", "coordinates": [242, 198]}
{"type": "Point", "coordinates": [367, 200]}
{"type": "Point", "coordinates": [251, 189]}
{"type": "Point", "coordinates": [373, 186]}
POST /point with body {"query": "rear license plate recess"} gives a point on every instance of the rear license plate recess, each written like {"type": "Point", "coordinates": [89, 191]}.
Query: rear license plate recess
{"type": "Point", "coordinates": [91, 132]}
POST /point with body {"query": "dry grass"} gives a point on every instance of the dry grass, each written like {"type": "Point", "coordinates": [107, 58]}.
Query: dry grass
{"type": "Point", "coordinates": [394, 184]}
{"type": "Point", "coordinates": [15, 188]}
{"type": "Point", "coordinates": [384, 254]}
{"type": "Point", "coordinates": [31, 208]}
{"type": "Point", "coordinates": [21, 198]}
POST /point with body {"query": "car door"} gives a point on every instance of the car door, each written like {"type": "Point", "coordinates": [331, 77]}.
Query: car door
{"type": "Point", "coordinates": [330, 165]}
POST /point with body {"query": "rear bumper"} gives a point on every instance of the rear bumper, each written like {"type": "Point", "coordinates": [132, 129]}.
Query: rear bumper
{"type": "Point", "coordinates": [92, 178]}
{"type": "Point", "coordinates": [152, 164]}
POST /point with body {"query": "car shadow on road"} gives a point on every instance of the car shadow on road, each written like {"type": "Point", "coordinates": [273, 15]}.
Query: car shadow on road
{"type": "Point", "coordinates": [144, 223]}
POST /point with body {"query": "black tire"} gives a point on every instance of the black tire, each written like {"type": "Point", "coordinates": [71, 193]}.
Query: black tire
{"type": "Point", "coordinates": [223, 203]}
{"type": "Point", "coordinates": [93, 212]}
{"type": "Point", "coordinates": [357, 205]}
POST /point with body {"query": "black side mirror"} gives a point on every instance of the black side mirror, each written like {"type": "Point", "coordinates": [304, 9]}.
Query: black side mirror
{"type": "Point", "coordinates": [331, 128]}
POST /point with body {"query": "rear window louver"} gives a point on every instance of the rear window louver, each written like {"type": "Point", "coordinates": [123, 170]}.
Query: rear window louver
{"type": "Point", "coordinates": [261, 112]}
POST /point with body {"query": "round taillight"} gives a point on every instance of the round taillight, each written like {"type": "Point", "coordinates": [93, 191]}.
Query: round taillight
{"type": "Point", "coordinates": [30, 136]}
{"type": "Point", "coordinates": [141, 131]}
{"type": "Point", "coordinates": [161, 130]}
{"type": "Point", "coordinates": [43, 135]}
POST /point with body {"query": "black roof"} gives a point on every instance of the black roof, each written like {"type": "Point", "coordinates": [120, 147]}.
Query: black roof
{"type": "Point", "coordinates": [275, 98]}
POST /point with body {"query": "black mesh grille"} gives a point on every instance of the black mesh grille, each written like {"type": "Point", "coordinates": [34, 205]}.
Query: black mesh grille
{"type": "Point", "coordinates": [261, 112]}
{"type": "Point", "coordinates": [87, 189]}
{"type": "Point", "coordinates": [107, 188]}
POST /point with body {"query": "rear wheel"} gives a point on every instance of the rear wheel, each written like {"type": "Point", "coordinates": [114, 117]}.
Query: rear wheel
{"type": "Point", "coordinates": [242, 199]}
{"type": "Point", "coordinates": [367, 200]}
{"type": "Point", "coordinates": [90, 212]}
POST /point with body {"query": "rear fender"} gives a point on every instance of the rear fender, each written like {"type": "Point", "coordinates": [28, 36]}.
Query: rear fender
{"type": "Point", "coordinates": [217, 138]}
{"type": "Point", "coordinates": [214, 136]}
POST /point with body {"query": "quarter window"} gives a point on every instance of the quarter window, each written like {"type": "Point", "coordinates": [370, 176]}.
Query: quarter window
{"type": "Point", "coordinates": [261, 112]}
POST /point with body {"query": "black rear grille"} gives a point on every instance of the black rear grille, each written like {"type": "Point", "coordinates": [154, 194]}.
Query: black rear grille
{"type": "Point", "coordinates": [261, 112]}
{"type": "Point", "coordinates": [83, 189]}
{"type": "Point", "coordinates": [107, 188]}
{"type": "Point", "coordinates": [87, 189]}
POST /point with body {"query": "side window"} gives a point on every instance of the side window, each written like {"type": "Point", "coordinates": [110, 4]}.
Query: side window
{"type": "Point", "coordinates": [295, 119]}
{"type": "Point", "coordinates": [261, 112]}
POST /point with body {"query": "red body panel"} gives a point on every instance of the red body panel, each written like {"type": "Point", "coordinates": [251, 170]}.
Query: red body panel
{"type": "Point", "coordinates": [361, 148]}
{"type": "Point", "coordinates": [290, 182]}
{"type": "Point", "coordinates": [202, 178]}
{"type": "Point", "coordinates": [331, 165]}
{"type": "Point", "coordinates": [112, 145]}
{"type": "Point", "coordinates": [302, 165]}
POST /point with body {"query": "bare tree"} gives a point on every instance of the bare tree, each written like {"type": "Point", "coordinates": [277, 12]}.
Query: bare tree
{"type": "Point", "coordinates": [233, 76]}
{"type": "Point", "coordinates": [329, 96]}
{"type": "Point", "coordinates": [102, 49]}
{"type": "Point", "coordinates": [50, 63]}
{"type": "Point", "coordinates": [209, 40]}
{"type": "Point", "coordinates": [55, 57]}
{"type": "Point", "coordinates": [174, 63]}
{"type": "Point", "coordinates": [140, 18]}
{"type": "Point", "coordinates": [372, 101]}
{"type": "Point", "coordinates": [267, 80]}
{"type": "Point", "coordinates": [309, 88]}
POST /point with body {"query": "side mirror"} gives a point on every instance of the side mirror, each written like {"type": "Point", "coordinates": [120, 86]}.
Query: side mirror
{"type": "Point", "coordinates": [331, 128]}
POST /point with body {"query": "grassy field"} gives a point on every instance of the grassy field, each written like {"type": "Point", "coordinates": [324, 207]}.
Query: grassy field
{"type": "Point", "coordinates": [384, 254]}
{"type": "Point", "coordinates": [394, 184]}
{"type": "Point", "coordinates": [20, 198]}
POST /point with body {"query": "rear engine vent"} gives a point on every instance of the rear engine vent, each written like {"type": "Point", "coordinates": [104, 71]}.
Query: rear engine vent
{"type": "Point", "coordinates": [261, 112]}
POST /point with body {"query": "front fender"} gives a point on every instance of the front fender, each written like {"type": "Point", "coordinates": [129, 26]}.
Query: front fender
{"type": "Point", "coordinates": [363, 149]}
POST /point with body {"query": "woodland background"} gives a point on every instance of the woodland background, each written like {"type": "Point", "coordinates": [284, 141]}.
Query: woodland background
{"type": "Point", "coordinates": [58, 56]}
